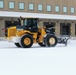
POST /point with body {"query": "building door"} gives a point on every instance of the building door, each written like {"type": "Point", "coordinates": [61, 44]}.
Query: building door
{"type": "Point", "coordinates": [50, 25]}
{"type": "Point", "coordinates": [10, 23]}
{"type": "Point", "coordinates": [65, 29]}
{"type": "Point", "coordinates": [75, 29]}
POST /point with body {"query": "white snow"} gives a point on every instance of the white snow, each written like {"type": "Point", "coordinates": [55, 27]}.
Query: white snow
{"type": "Point", "coordinates": [59, 60]}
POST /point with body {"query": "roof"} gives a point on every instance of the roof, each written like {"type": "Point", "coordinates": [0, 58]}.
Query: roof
{"type": "Point", "coordinates": [37, 15]}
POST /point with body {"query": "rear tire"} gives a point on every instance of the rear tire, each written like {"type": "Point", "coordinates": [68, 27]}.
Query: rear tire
{"type": "Point", "coordinates": [17, 44]}
{"type": "Point", "coordinates": [26, 41]}
{"type": "Point", "coordinates": [51, 40]}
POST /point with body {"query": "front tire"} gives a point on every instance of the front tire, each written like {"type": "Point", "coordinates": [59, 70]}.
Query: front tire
{"type": "Point", "coordinates": [26, 41]}
{"type": "Point", "coordinates": [51, 40]}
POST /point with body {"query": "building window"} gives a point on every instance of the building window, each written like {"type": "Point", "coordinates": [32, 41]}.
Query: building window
{"type": "Point", "coordinates": [1, 4]}
{"type": "Point", "coordinates": [57, 9]}
{"type": "Point", "coordinates": [31, 6]}
{"type": "Point", "coordinates": [48, 8]}
{"type": "Point", "coordinates": [65, 9]}
{"type": "Point", "coordinates": [11, 5]}
{"type": "Point", "coordinates": [72, 9]}
{"type": "Point", "coordinates": [21, 5]}
{"type": "Point", "coordinates": [40, 7]}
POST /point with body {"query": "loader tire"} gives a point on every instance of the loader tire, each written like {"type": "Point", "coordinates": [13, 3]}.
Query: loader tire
{"type": "Point", "coordinates": [17, 44]}
{"type": "Point", "coordinates": [26, 41]}
{"type": "Point", "coordinates": [42, 45]}
{"type": "Point", "coordinates": [51, 40]}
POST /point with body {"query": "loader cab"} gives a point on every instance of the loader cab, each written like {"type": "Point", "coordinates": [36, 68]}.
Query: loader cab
{"type": "Point", "coordinates": [29, 24]}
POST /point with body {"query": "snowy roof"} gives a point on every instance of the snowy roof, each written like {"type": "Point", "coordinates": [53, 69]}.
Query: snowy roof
{"type": "Point", "coordinates": [37, 15]}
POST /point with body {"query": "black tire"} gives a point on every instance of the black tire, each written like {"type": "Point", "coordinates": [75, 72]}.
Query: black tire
{"type": "Point", "coordinates": [41, 44]}
{"type": "Point", "coordinates": [48, 37]}
{"type": "Point", "coordinates": [17, 44]}
{"type": "Point", "coordinates": [23, 44]}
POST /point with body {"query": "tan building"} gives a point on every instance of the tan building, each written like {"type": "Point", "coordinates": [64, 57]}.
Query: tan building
{"type": "Point", "coordinates": [59, 13]}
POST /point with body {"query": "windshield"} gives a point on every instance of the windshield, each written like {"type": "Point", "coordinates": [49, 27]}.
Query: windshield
{"type": "Point", "coordinates": [29, 22]}
{"type": "Point", "coordinates": [25, 22]}
{"type": "Point", "coordinates": [32, 22]}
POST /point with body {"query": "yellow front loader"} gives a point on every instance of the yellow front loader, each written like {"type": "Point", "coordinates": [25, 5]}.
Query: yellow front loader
{"type": "Point", "coordinates": [28, 32]}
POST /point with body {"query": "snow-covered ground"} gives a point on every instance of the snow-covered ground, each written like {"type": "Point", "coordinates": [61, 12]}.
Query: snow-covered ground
{"type": "Point", "coordinates": [59, 60]}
